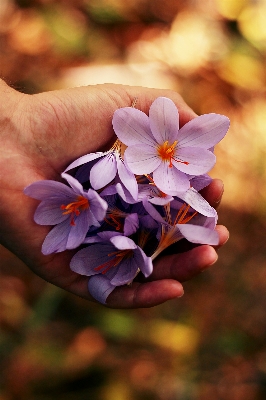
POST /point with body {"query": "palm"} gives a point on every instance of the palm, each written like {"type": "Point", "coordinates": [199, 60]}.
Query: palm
{"type": "Point", "coordinates": [52, 130]}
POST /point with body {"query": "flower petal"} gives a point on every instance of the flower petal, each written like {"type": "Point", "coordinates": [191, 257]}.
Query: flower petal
{"type": "Point", "coordinates": [204, 131]}
{"type": "Point", "coordinates": [144, 262]}
{"type": "Point", "coordinates": [46, 189]}
{"type": "Point", "coordinates": [127, 178]}
{"type": "Point", "coordinates": [107, 235]}
{"type": "Point", "coordinates": [123, 193]}
{"type": "Point", "coordinates": [199, 161]}
{"type": "Point", "coordinates": [131, 224]}
{"type": "Point", "coordinates": [123, 243]}
{"type": "Point", "coordinates": [84, 159]}
{"type": "Point", "coordinates": [78, 231]}
{"type": "Point", "coordinates": [98, 206]}
{"type": "Point", "coordinates": [200, 182]}
{"type": "Point", "coordinates": [103, 172]}
{"type": "Point", "coordinates": [49, 213]}
{"type": "Point", "coordinates": [86, 260]}
{"type": "Point", "coordinates": [161, 201]}
{"type": "Point", "coordinates": [151, 210]}
{"type": "Point", "coordinates": [199, 234]}
{"type": "Point", "coordinates": [142, 159]}
{"type": "Point", "coordinates": [74, 183]}
{"type": "Point", "coordinates": [164, 120]}
{"type": "Point", "coordinates": [56, 240]}
{"type": "Point", "coordinates": [126, 271]}
{"type": "Point", "coordinates": [100, 287]}
{"type": "Point", "coordinates": [132, 126]}
{"type": "Point", "coordinates": [83, 172]}
{"type": "Point", "coordinates": [169, 179]}
{"type": "Point", "coordinates": [198, 203]}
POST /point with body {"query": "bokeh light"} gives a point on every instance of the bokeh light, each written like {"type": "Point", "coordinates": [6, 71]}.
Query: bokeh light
{"type": "Point", "coordinates": [210, 344]}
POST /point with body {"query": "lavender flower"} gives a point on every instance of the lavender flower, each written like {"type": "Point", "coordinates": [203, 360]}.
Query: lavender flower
{"type": "Point", "coordinates": [156, 144]}
{"type": "Point", "coordinates": [110, 166]}
{"type": "Point", "coordinates": [71, 209]}
{"type": "Point", "coordinates": [181, 221]}
{"type": "Point", "coordinates": [117, 261]}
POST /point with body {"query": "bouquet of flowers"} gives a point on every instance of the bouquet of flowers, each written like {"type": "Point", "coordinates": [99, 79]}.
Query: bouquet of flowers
{"type": "Point", "coordinates": [121, 208]}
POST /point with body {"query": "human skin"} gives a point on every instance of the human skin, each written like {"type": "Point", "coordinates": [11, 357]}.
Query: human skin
{"type": "Point", "coordinates": [40, 136]}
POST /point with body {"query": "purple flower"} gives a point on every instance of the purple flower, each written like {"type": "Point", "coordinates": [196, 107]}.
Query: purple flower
{"type": "Point", "coordinates": [197, 234]}
{"type": "Point", "coordinates": [115, 262]}
{"type": "Point", "coordinates": [146, 190]}
{"type": "Point", "coordinates": [191, 197]}
{"type": "Point", "coordinates": [194, 220]}
{"type": "Point", "coordinates": [71, 209]}
{"type": "Point", "coordinates": [157, 145]}
{"type": "Point", "coordinates": [106, 170]}
{"type": "Point", "coordinates": [200, 182]}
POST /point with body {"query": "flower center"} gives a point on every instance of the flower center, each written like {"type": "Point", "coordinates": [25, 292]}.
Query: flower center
{"type": "Point", "coordinates": [117, 257]}
{"type": "Point", "coordinates": [118, 147]}
{"type": "Point", "coordinates": [75, 208]}
{"type": "Point", "coordinates": [115, 217]}
{"type": "Point", "coordinates": [167, 151]}
{"type": "Point", "coordinates": [169, 234]}
{"type": "Point", "coordinates": [115, 221]}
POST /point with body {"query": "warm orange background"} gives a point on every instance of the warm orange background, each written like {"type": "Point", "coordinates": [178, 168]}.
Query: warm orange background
{"type": "Point", "coordinates": [211, 343]}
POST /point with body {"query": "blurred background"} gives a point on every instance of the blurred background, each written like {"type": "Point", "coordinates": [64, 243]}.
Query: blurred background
{"type": "Point", "coordinates": [210, 344]}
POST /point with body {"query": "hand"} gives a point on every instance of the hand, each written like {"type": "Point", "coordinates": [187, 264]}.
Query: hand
{"type": "Point", "coordinates": [40, 136]}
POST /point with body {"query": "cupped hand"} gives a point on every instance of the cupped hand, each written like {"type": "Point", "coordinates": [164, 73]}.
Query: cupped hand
{"type": "Point", "coordinates": [40, 136]}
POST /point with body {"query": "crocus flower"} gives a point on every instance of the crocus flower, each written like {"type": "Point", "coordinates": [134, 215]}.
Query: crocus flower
{"type": "Point", "coordinates": [71, 209]}
{"type": "Point", "coordinates": [191, 197]}
{"type": "Point", "coordinates": [104, 171]}
{"type": "Point", "coordinates": [157, 145]}
{"type": "Point", "coordinates": [122, 216]}
{"type": "Point", "coordinates": [190, 216]}
{"type": "Point", "coordinates": [186, 223]}
{"type": "Point", "coordinates": [117, 260]}
{"type": "Point", "coordinates": [146, 190]}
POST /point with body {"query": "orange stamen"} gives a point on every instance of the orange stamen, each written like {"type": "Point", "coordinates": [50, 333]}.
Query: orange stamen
{"type": "Point", "coordinates": [168, 236]}
{"type": "Point", "coordinates": [118, 257]}
{"type": "Point", "coordinates": [75, 208]}
{"type": "Point", "coordinates": [182, 217]}
{"type": "Point", "coordinates": [184, 221]}
{"type": "Point", "coordinates": [115, 222]}
{"type": "Point", "coordinates": [180, 212]}
{"type": "Point", "coordinates": [166, 152]}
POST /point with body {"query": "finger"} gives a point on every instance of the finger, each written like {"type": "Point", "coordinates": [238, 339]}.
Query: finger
{"type": "Point", "coordinates": [144, 295]}
{"type": "Point", "coordinates": [186, 265]}
{"type": "Point", "coordinates": [223, 235]}
{"type": "Point", "coordinates": [213, 192]}
{"type": "Point", "coordinates": [147, 96]}
{"type": "Point", "coordinates": [143, 97]}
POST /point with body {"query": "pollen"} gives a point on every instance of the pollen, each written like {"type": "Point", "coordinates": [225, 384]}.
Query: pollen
{"type": "Point", "coordinates": [75, 208]}
{"type": "Point", "coordinates": [167, 153]}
